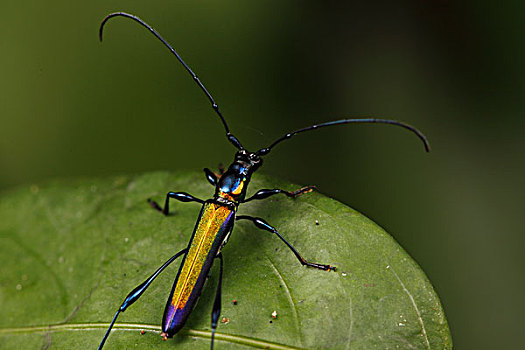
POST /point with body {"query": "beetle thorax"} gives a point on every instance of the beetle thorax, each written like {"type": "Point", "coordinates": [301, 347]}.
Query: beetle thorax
{"type": "Point", "coordinates": [233, 183]}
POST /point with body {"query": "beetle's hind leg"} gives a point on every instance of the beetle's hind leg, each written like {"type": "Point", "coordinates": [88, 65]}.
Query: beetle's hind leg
{"type": "Point", "coordinates": [136, 293]}
{"type": "Point", "coordinates": [180, 196]}
{"type": "Point", "coordinates": [217, 304]}
{"type": "Point", "coordinates": [262, 224]}
{"type": "Point", "coordinates": [265, 193]}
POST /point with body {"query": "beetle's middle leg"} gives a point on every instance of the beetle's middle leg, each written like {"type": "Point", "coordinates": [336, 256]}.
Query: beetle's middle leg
{"type": "Point", "coordinates": [180, 196]}
{"type": "Point", "coordinates": [265, 193]}
{"type": "Point", "coordinates": [262, 224]}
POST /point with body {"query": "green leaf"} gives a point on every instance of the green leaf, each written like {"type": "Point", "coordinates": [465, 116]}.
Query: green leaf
{"type": "Point", "coordinates": [71, 251]}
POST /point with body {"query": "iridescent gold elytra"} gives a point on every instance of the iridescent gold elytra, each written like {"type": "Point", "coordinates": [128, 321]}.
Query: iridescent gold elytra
{"type": "Point", "coordinates": [213, 217]}
{"type": "Point", "coordinates": [211, 231]}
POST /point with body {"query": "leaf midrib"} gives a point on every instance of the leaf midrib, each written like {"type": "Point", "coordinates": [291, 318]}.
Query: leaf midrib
{"type": "Point", "coordinates": [238, 339]}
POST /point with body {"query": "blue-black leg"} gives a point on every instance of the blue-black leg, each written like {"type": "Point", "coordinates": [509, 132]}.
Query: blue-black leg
{"type": "Point", "coordinates": [217, 304]}
{"type": "Point", "coordinates": [180, 196]}
{"type": "Point", "coordinates": [265, 193]}
{"type": "Point", "coordinates": [136, 293]}
{"type": "Point", "coordinates": [262, 224]}
{"type": "Point", "coordinates": [222, 169]}
{"type": "Point", "coordinates": [211, 176]}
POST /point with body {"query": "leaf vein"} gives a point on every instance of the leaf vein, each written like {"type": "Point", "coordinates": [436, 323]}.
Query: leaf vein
{"type": "Point", "coordinates": [239, 339]}
{"type": "Point", "coordinates": [290, 299]}
{"type": "Point", "coordinates": [420, 319]}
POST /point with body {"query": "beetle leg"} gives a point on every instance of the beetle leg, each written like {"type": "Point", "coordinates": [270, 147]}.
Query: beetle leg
{"type": "Point", "coordinates": [222, 170]}
{"type": "Point", "coordinates": [217, 304]}
{"type": "Point", "coordinates": [262, 224]}
{"type": "Point", "coordinates": [265, 193]}
{"type": "Point", "coordinates": [211, 176]}
{"type": "Point", "coordinates": [180, 196]}
{"type": "Point", "coordinates": [136, 293]}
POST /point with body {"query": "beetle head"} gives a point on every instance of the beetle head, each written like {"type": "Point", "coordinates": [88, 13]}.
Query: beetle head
{"type": "Point", "coordinates": [250, 160]}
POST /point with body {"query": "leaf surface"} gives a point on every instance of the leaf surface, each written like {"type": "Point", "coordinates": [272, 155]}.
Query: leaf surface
{"type": "Point", "coordinates": [72, 250]}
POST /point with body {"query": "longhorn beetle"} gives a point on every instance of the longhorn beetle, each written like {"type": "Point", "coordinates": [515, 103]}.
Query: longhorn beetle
{"type": "Point", "coordinates": [217, 216]}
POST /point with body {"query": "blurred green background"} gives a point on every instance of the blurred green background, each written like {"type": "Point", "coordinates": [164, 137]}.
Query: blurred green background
{"type": "Point", "coordinates": [71, 106]}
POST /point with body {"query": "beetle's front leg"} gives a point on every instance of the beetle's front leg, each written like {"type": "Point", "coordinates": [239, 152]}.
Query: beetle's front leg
{"type": "Point", "coordinates": [213, 178]}
{"type": "Point", "coordinates": [262, 224]}
{"type": "Point", "coordinates": [265, 193]}
{"type": "Point", "coordinates": [180, 196]}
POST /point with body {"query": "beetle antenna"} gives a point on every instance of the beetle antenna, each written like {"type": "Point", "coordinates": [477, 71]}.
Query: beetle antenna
{"type": "Point", "coordinates": [214, 105]}
{"type": "Point", "coordinates": [264, 151]}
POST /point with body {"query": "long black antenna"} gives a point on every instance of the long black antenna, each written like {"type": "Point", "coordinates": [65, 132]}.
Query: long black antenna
{"type": "Point", "coordinates": [264, 151]}
{"type": "Point", "coordinates": [214, 105]}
